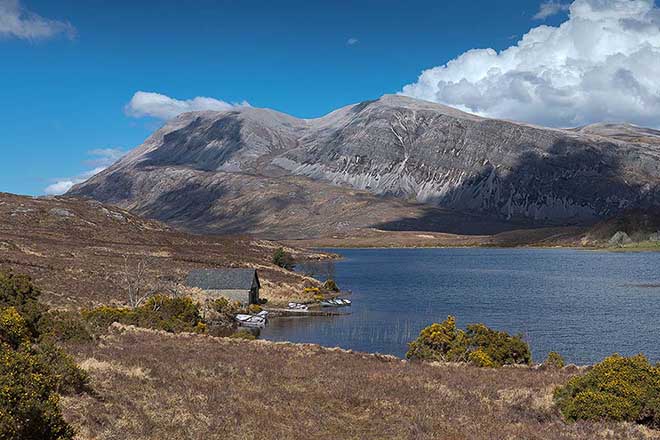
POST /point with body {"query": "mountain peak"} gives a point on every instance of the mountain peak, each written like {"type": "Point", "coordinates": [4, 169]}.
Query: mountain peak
{"type": "Point", "coordinates": [213, 170]}
{"type": "Point", "coordinates": [409, 102]}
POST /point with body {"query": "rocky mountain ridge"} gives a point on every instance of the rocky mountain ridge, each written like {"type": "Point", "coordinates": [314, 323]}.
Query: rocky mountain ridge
{"type": "Point", "coordinates": [374, 164]}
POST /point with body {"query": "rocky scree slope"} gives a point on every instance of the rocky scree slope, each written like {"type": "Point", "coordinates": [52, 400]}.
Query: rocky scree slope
{"type": "Point", "coordinates": [376, 163]}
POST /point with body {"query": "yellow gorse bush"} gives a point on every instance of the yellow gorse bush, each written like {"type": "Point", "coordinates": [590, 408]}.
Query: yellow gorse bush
{"type": "Point", "coordinates": [618, 388]}
{"type": "Point", "coordinates": [478, 345]}
{"type": "Point", "coordinates": [13, 328]}
{"type": "Point", "coordinates": [32, 371]}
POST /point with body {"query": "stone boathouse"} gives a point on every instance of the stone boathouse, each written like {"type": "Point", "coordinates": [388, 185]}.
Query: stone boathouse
{"type": "Point", "coordinates": [235, 284]}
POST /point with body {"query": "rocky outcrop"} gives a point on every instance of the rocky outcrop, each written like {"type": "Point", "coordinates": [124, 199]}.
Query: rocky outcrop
{"type": "Point", "coordinates": [620, 239]}
{"type": "Point", "coordinates": [395, 147]}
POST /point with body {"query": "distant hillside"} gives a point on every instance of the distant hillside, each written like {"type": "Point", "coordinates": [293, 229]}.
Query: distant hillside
{"type": "Point", "coordinates": [390, 163]}
{"type": "Point", "coordinates": [638, 225]}
{"type": "Point", "coordinates": [78, 251]}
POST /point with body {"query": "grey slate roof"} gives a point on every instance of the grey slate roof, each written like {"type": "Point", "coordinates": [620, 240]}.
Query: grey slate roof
{"type": "Point", "coordinates": [218, 279]}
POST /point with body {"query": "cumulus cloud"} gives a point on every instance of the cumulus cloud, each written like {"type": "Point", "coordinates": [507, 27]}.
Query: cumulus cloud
{"type": "Point", "coordinates": [18, 22]}
{"type": "Point", "coordinates": [102, 158]}
{"type": "Point", "coordinates": [352, 41]}
{"type": "Point", "coordinates": [163, 107]}
{"type": "Point", "coordinates": [603, 63]}
{"type": "Point", "coordinates": [550, 8]}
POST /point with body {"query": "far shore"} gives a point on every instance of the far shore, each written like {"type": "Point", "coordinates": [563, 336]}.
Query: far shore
{"type": "Point", "coordinates": [543, 238]}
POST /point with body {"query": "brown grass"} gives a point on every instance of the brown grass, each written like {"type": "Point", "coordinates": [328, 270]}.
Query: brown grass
{"type": "Point", "coordinates": [567, 236]}
{"type": "Point", "coordinates": [153, 385]}
{"type": "Point", "coordinates": [74, 249]}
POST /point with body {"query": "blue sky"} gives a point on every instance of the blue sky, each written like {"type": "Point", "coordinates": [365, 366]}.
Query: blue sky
{"type": "Point", "coordinates": [64, 89]}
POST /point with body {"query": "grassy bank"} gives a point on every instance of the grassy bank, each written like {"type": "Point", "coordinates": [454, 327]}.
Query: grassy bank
{"type": "Point", "coordinates": [151, 384]}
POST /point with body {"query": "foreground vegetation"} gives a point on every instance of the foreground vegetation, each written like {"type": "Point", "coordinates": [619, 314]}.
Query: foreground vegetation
{"type": "Point", "coordinates": [619, 388]}
{"type": "Point", "coordinates": [174, 380]}
{"type": "Point", "coordinates": [33, 371]}
{"type": "Point", "coordinates": [479, 345]}
{"type": "Point", "coordinates": [158, 385]}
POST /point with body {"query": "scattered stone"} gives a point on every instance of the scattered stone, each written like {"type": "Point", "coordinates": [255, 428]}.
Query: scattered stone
{"type": "Point", "coordinates": [61, 212]}
{"type": "Point", "coordinates": [620, 239]}
{"type": "Point", "coordinates": [21, 210]}
{"type": "Point", "coordinates": [117, 216]}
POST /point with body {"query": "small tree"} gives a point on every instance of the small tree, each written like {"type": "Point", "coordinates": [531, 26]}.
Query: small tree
{"type": "Point", "coordinates": [331, 285]}
{"type": "Point", "coordinates": [134, 279]}
{"type": "Point", "coordinates": [283, 259]}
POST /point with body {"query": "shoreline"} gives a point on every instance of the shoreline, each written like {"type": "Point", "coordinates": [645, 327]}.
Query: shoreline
{"type": "Point", "coordinates": [323, 247]}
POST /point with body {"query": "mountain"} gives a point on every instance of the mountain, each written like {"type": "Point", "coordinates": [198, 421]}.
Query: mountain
{"type": "Point", "coordinates": [391, 163]}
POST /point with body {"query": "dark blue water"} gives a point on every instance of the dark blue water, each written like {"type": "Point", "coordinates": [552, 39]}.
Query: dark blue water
{"type": "Point", "coordinates": [585, 305]}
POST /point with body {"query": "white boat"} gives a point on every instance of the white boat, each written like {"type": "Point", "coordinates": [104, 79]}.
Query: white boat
{"type": "Point", "coordinates": [250, 320]}
{"type": "Point", "coordinates": [297, 306]}
{"type": "Point", "coordinates": [335, 302]}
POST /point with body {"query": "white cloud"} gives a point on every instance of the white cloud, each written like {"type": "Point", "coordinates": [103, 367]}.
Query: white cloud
{"type": "Point", "coordinates": [59, 187]}
{"type": "Point", "coordinates": [104, 157]}
{"type": "Point", "coordinates": [603, 63]}
{"type": "Point", "coordinates": [550, 8]}
{"type": "Point", "coordinates": [163, 107]}
{"type": "Point", "coordinates": [352, 41]}
{"type": "Point", "coordinates": [18, 22]}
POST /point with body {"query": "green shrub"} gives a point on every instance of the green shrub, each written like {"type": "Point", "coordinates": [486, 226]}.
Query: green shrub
{"type": "Point", "coordinates": [480, 358]}
{"type": "Point", "coordinates": [18, 291]}
{"type": "Point", "coordinates": [554, 360]}
{"type": "Point", "coordinates": [479, 345]}
{"type": "Point", "coordinates": [32, 370]}
{"type": "Point", "coordinates": [254, 308]}
{"type": "Point", "coordinates": [619, 389]}
{"type": "Point", "coordinates": [331, 285]}
{"type": "Point", "coordinates": [283, 259]}
{"type": "Point", "coordinates": [158, 312]}
{"type": "Point", "coordinates": [169, 314]}
{"type": "Point", "coordinates": [67, 377]}
{"type": "Point", "coordinates": [28, 401]}
{"type": "Point", "coordinates": [501, 347]}
{"type": "Point", "coordinates": [440, 342]}
{"type": "Point", "coordinates": [101, 317]}
{"type": "Point", "coordinates": [225, 309]}
{"type": "Point", "coordinates": [13, 328]}
{"type": "Point", "coordinates": [59, 326]}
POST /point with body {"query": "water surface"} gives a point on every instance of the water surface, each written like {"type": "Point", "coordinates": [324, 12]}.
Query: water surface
{"type": "Point", "coordinates": [584, 304]}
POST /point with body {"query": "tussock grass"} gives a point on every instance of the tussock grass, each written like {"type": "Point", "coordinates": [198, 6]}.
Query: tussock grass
{"type": "Point", "coordinates": [202, 387]}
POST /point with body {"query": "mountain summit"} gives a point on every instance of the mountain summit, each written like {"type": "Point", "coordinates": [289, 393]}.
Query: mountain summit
{"type": "Point", "coordinates": [377, 162]}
